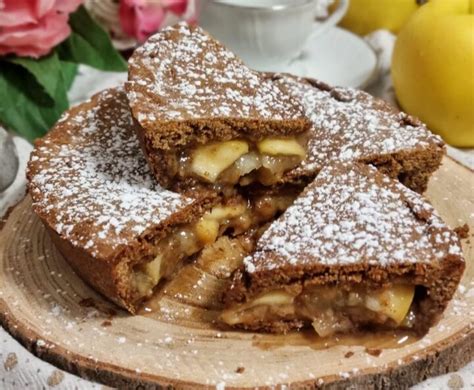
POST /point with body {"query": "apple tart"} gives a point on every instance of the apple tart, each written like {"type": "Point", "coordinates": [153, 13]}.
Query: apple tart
{"type": "Point", "coordinates": [120, 230]}
{"type": "Point", "coordinates": [357, 249]}
{"type": "Point", "coordinates": [351, 125]}
{"type": "Point", "coordinates": [203, 117]}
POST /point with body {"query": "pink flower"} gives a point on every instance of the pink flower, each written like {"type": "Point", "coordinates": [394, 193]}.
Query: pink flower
{"type": "Point", "coordinates": [33, 27]}
{"type": "Point", "coordinates": [142, 18]}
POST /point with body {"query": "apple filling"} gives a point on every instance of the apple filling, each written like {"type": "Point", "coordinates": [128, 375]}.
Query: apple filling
{"type": "Point", "coordinates": [242, 162]}
{"type": "Point", "coordinates": [187, 240]}
{"type": "Point", "coordinates": [329, 309]}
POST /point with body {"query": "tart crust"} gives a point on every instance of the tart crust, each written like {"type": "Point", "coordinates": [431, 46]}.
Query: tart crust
{"type": "Point", "coordinates": [121, 231]}
{"type": "Point", "coordinates": [352, 229]}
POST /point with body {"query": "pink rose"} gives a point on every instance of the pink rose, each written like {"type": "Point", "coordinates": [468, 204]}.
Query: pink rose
{"type": "Point", "coordinates": [33, 27]}
{"type": "Point", "coordinates": [142, 18]}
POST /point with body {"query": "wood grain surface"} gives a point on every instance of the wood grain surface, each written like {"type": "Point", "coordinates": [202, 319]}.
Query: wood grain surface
{"type": "Point", "coordinates": [174, 341]}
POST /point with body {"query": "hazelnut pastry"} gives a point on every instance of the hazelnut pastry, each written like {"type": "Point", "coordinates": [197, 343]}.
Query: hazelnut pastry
{"type": "Point", "coordinates": [351, 125]}
{"type": "Point", "coordinates": [120, 230]}
{"type": "Point", "coordinates": [357, 249]}
{"type": "Point", "coordinates": [203, 117]}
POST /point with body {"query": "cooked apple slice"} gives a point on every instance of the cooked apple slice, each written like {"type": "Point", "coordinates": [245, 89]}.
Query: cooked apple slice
{"type": "Point", "coordinates": [210, 160]}
{"type": "Point", "coordinates": [395, 301]}
{"type": "Point", "coordinates": [148, 276]}
{"type": "Point", "coordinates": [281, 147]}
{"type": "Point", "coordinates": [220, 213]}
{"type": "Point", "coordinates": [207, 230]}
{"type": "Point", "coordinates": [153, 269]}
{"type": "Point", "coordinates": [277, 297]}
{"type": "Point", "coordinates": [274, 298]}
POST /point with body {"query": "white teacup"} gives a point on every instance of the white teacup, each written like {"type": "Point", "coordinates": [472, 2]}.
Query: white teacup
{"type": "Point", "coordinates": [266, 34]}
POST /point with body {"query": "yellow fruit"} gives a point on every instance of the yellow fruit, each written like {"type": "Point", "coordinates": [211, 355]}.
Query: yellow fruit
{"type": "Point", "coordinates": [273, 298]}
{"type": "Point", "coordinates": [153, 269]}
{"type": "Point", "coordinates": [207, 230]}
{"type": "Point", "coordinates": [277, 297]}
{"type": "Point", "coordinates": [396, 301]}
{"type": "Point", "coordinates": [433, 68]}
{"type": "Point", "coordinates": [365, 16]}
{"type": "Point", "coordinates": [210, 160]}
{"type": "Point", "coordinates": [219, 213]}
{"type": "Point", "coordinates": [281, 147]}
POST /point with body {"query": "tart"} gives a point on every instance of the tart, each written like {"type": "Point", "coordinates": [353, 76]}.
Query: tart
{"type": "Point", "coordinates": [203, 117]}
{"type": "Point", "coordinates": [356, 250]}
{"type": "Point", "coordinates": [121, 231]}
{"type": "Point", "coordinates": [351, 125]}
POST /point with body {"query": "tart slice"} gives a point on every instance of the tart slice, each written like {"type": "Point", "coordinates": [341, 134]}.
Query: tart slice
{"type": "Point", "coordinates": [204, 117]}
{"type": "Point", "coordinates": [357, 249]}
{"type": "Point", "coordinates": [119, 230]}
{"type": "Point", "coordinates": [351, 125]}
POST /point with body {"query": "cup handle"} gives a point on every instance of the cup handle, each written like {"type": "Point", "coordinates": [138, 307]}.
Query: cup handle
{"type": "Point", "coordinates": [334, 18]}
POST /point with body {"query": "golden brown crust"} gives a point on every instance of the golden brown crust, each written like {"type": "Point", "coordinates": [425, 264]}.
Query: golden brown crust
{"type": "Point", "coordinates": [355, 227]}
{"type": "Point", "coordinates": [440, 282]}
{"type": "Point", "coordinates": [100, 275]}
{"type": "Point", "coordinates": [92, 189]}
{"type": "Point", "coordinates": [352, 125]}
{"type": "Point", "coordinates": [370, 131]}
{"type": "Point", "coordinates": [185, 88]}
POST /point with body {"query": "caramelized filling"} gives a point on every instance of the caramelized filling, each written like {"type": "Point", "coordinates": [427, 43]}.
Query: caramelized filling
{"type": "Point", "coordinates": [329, 309]}
{"type": "Point", "coordinates": [241, 161]}
{"type": "Point", "coordinates": [185, 241]}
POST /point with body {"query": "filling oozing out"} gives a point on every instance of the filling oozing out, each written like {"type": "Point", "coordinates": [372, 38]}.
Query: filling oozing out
{"type": "Point", "coordinates": [186, 240]}
{"type": "Point", "coordinates": [241, 161]}
{"type": "Point", "coordinates": [329, 309]}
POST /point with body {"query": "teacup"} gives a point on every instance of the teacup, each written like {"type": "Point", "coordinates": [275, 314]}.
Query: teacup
{"type": "Point", "coordinates": [266, 34]}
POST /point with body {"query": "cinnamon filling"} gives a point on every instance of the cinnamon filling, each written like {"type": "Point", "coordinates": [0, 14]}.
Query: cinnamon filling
{"type": "Point", "coordinates": [329, 309]}
{"type": "Point", "coordinates": [184, 241]}
{"type": "Point", "coordinates": [242, 161]}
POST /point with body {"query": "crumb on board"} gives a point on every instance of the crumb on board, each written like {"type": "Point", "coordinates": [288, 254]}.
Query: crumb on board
{"type": "Point", "coordinates": [462, 231]}
{"type": "Point", "coordinates": [87, 302]}
{"type": "Point", "coordinates": [55, 378]}
{"type": "Point", "coordinates": [374, 351]}
{"type": "Point", "coordinates": [10, 362]}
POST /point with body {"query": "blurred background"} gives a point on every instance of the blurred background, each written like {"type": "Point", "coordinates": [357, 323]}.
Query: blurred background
{"type": "Point", "coordinates": [416, 54]}
{"type": "Point", "coordinates": [52, 52]}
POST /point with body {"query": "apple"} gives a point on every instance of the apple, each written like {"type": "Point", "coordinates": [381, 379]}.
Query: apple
{"type": "Point", "coordinates": [433, 68]}
{"type": "Point", "coordinates": [365, 16]}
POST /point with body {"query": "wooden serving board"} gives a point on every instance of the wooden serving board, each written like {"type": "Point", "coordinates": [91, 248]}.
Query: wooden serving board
{"type": "Point", "coordinates": [175, 343]}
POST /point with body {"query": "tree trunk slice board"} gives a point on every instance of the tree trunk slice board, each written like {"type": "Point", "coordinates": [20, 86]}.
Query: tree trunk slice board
{"type": "Point", "coordinates": [175, 343]}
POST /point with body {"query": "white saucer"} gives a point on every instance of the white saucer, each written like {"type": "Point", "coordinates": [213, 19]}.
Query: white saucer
{"type": "Point", "coordinates": [337, 57]}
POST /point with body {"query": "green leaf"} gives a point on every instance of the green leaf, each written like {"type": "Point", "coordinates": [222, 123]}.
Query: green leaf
{"type": "Point", "coordinates": [90, 44]}
{"type": "Point", "coordinates": [69, 71]}
{"type": "Point", "coordinates": [23, 108]}
{"type": "Point", "coordinates": [44, 69]}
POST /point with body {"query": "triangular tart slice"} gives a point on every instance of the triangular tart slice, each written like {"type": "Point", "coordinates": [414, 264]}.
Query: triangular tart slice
{"type": "Point", "coordinates": [199, 109]}
{"type": "Point", "coordinates": [120, 230]}
{"type": "Point", "coordinates": [357, 249]}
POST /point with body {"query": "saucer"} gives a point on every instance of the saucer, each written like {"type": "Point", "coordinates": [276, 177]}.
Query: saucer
{"type": "Point", "coordinates": [337, 57]}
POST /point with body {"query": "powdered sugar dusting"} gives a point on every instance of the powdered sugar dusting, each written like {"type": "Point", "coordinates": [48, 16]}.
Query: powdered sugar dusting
{"type": "Point", "coordinates": [351, 125]}
{"type": "Point", "coordinates": [352, 214]}
{"type": "Point", "coordinates": [89, 179]}
{"type": "Point", "coordinates": [182, 73]}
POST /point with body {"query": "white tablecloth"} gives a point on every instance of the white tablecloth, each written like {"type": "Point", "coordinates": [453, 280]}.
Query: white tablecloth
{"type": "Point", "coordinates": [20, 369]}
